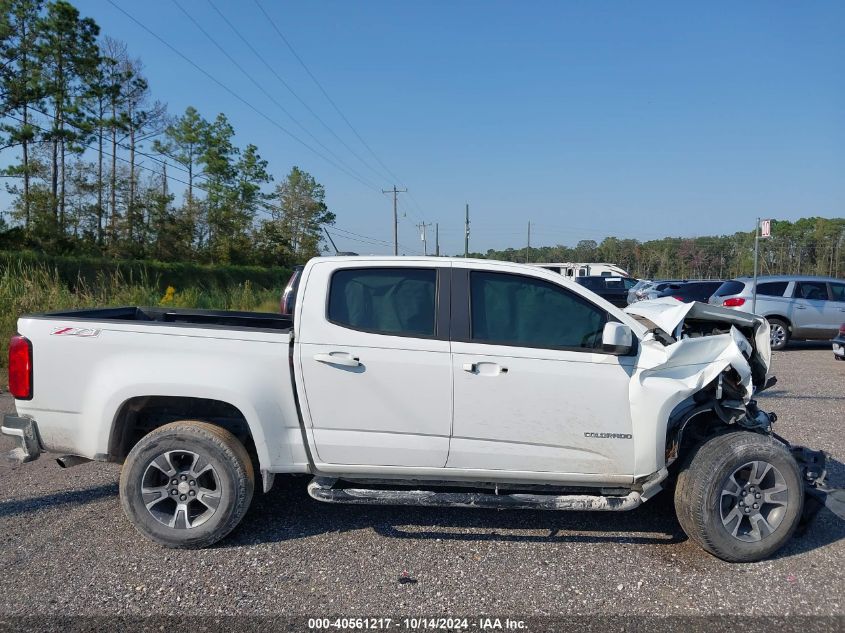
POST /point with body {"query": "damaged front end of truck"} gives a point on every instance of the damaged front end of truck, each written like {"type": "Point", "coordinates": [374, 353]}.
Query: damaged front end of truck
{"type": "Point", "coordinates": [703, 366]}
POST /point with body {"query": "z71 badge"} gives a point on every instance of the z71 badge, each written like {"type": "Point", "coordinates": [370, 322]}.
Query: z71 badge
{"type": "Point", "coordinates": [75, 331]}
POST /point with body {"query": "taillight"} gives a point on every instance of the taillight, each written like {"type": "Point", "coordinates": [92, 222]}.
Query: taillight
{"type": "Point", "coordinates": [678, 298]}
{"type": "Point", "coordinates": [733, 302]}
{"type": "Point", "coordinates": [842, 329]}
{"type": "Point", "coordinates": [20, 368]}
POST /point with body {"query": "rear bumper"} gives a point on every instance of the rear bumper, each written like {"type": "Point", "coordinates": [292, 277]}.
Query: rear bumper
{"type": "Point", "coordinates": [25, 432]}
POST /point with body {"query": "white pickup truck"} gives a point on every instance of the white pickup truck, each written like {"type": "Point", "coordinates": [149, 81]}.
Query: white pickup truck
{"type": "Point", "coordinates": [424, 381]}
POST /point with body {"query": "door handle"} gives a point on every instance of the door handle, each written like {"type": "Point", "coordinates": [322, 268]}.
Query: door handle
{"type": "Point", "coordinates": [485, 369]}
{"type": "Point", "coordinates": [336, 359]}
{"type": "Point", "coordinates": [800, 307]}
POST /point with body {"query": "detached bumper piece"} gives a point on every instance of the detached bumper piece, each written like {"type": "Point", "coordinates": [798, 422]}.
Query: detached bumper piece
{"type": "Point", "coordinates": [25, 432]}
{"type": "Point", "coordinates": [817, 492]}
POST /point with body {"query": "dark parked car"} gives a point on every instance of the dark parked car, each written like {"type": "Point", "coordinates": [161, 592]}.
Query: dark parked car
{"type": "Point", "coordinates": [612, 289]}
{"type": "Point", "coordinates": [692, 290]}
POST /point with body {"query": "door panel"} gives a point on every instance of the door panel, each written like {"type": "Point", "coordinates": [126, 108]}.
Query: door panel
{"type": "Point", "coordinates": [391, 410]}
{"type": "Point", "coordinates": [532, 390]}
{"type": "Point", "coordinates": [835, 308]}
{"type": "Point", "coordinates": [808, 309]}
{"type": "Point", "coordinates": [374, 362]}
{"type": "Point", "coordinates": [537, 414]}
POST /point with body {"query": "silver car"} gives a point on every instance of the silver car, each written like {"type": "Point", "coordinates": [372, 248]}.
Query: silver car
{"type": "Point", "coordinates": [796, 306]}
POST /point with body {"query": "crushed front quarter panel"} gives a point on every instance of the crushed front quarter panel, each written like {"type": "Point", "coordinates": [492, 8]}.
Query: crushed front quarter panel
{"type": "Point", "coordinates": [668, 374]}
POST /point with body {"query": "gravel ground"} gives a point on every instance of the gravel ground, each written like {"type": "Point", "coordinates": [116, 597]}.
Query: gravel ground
{"type": "Point", "coordinates": [67, 549]}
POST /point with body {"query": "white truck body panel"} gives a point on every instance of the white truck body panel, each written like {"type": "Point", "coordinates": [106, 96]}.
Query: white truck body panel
{"type": "Point", "coordinates": [406, 408]}
{"type": "Point", "coordinates": [82, 382]}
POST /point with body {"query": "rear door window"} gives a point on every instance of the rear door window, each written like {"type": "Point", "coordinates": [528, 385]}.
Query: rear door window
{"type": "Point", "coordinates": [772, 288]}
{"type": "Point", "coordinates": [520, 311]}
{"type": "Point", "coordinates": [396, 301]}
{"type": "Point", "coordinates": [812, 290]}
{"type": "Point", "coordinates": [837, 292]}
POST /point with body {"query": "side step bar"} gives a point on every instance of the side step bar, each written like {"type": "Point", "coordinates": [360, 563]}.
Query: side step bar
{"type": "Point", "coordinates": [322, 489]}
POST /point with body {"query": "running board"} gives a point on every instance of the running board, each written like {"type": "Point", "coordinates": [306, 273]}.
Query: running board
{"type": "Point", "coordinates": [322, 489]}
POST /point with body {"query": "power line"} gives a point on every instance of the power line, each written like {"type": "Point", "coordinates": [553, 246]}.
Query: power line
{"type": "Point", "coordinates": [375, 241]}
{"type": "Point", "coordinates": [322, 89]}
{"type": "Point", "coordinates": [120, 158]}
{"type": "Point", "coordinates": [325, 93]}
{"type": "Point", "coordinates": [121, 145]}
{"type": "Point", "coordinates": [292, 91]}
{"type": "Point", "coordinates": [235, 94]}
{"type": "Point", "coordinates": [267, 94]}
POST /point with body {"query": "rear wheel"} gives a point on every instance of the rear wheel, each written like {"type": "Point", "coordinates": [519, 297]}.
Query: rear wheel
{"type": "Point", "coordinates": [740, 496]}
{"type": "Point", "coordinates": [187, 484]}
{"type": "Point", "coordinates": [778, 333]}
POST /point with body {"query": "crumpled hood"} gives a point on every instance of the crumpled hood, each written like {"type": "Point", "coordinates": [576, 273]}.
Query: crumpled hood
{"type": "Point", "coordinates": [669, 315]}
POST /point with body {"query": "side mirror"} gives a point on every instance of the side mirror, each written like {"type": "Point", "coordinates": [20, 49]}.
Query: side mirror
{"type": "Point", "coordinates": [617, 338]}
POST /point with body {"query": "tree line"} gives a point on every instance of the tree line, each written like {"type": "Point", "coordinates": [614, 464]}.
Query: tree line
{"type": "Point", "coordinates": [810, 246]}
{"type": "Point", "coordinates": [93, 162]}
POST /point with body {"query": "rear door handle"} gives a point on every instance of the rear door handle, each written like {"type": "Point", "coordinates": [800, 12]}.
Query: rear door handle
{"type": "Point", "coordinates": [800, 307]}
{"type": "Point", "coordinates": [338, 358]}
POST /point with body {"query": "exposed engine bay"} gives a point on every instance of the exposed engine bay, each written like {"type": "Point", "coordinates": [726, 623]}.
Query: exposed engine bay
{"type": "Point", "coordinates": [710, 361]}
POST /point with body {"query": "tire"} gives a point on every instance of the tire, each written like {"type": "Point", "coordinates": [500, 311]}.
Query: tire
{"type": "Point", "coordinates": [197, 479]}
{"type": "Point", "coordinates": [779, 335]}
{"type": "Point", "coordinates": [715, 520]}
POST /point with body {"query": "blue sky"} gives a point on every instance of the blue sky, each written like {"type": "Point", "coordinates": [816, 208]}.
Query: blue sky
{"type": "Point", "coordinates": [587, 118]}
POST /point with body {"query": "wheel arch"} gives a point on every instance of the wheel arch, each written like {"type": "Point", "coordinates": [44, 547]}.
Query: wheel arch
{"type": "Point", "coordinates": [779, 317]}
{"type": "Point", "coordinates": [137, 415]}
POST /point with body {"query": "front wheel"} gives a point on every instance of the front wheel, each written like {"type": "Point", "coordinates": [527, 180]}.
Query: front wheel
{"type": "Point", "coordinates": [740, 496]}
{"type": "Point", "coordinates": [778, 334]}
{"type": "Point", "coordinates": [187, 484]}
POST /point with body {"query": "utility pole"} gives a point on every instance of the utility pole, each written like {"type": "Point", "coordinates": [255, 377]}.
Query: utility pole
{"type": "Point", "coordinates": [528, 245]}
{"type": "Point", "coordinates": [466, 233]}
{"type": "Point", "coordinates": [423, 235]}
{"type": "Point", "coordinates": [437, 239]}
{"type": "Point", "coordinates": [395, 193]}
{"type": "Point", "coordinates": [756, 251]}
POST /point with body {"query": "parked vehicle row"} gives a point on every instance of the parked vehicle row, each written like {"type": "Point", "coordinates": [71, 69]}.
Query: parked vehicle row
{"type": "Point", "coordinates": [684, 291]}
{"type": "Point", "coordinates": [796, 307]}
{"type": "Point", "coordinates": [612, 289]}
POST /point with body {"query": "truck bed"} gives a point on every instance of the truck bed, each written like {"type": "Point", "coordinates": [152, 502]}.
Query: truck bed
{"type": "Point", "coordinates": [177, 316]}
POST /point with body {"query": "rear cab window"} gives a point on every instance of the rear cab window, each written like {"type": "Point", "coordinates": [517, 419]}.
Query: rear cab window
{"type": "Point", "coordinates": [393, 301]}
